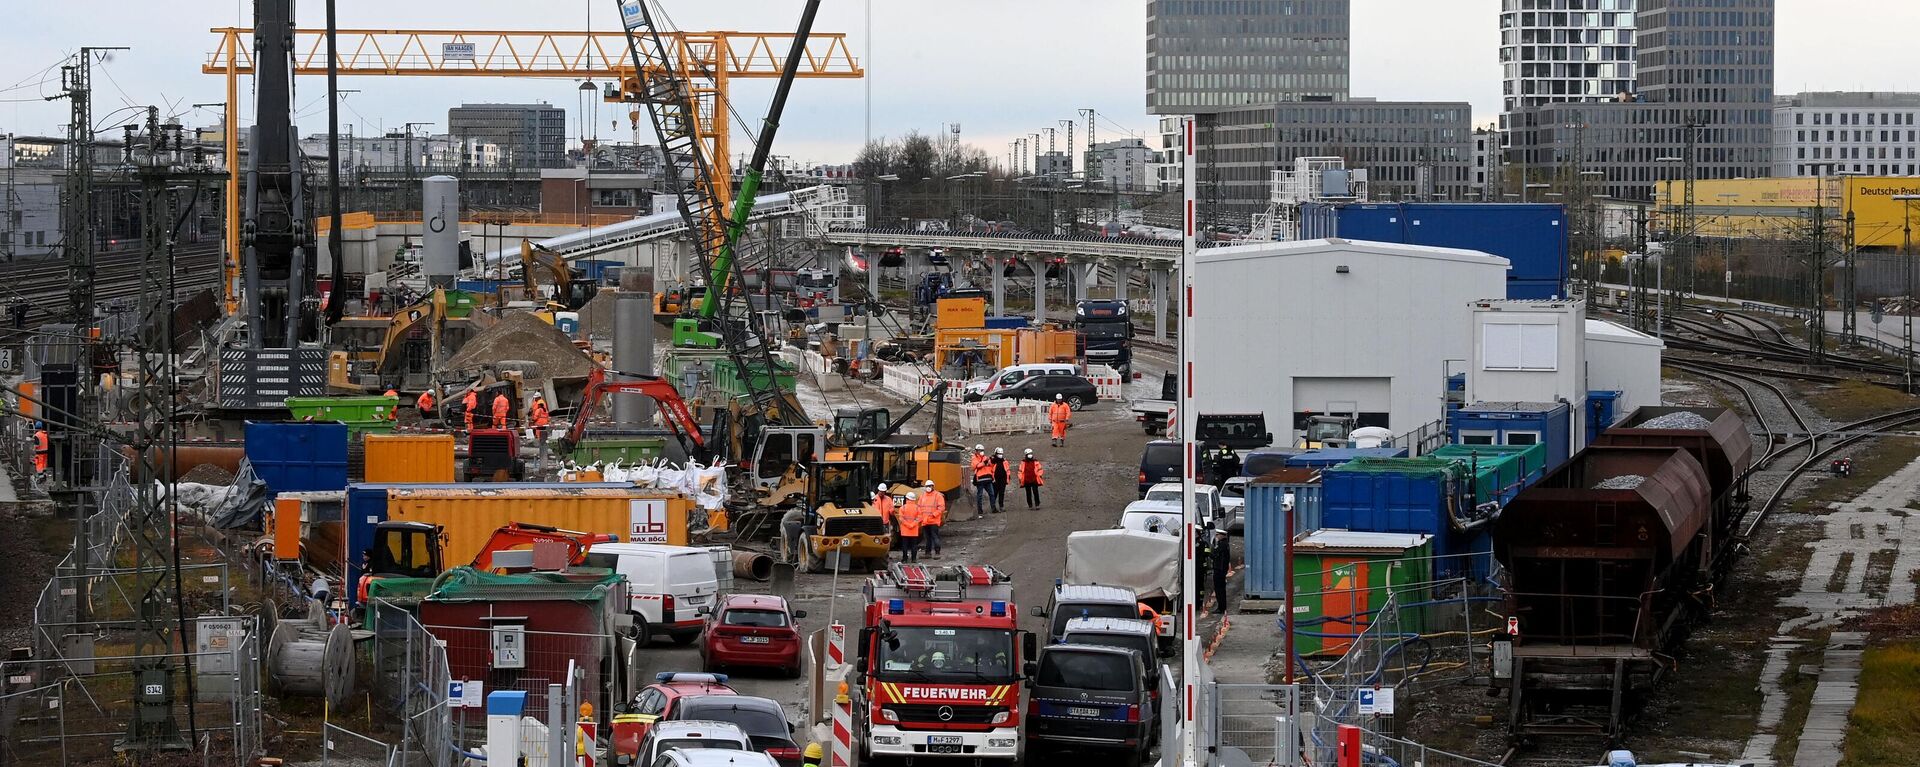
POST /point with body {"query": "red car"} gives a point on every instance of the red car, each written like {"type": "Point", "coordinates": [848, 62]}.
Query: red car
{"type": "Point", "coordinates": [752, 631]}
{"type": "Point", "coordinates": [656, 702]}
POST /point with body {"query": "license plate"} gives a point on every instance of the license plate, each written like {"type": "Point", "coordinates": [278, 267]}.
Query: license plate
{"type": "Point", "coordinates": [1087, 713]}
{"type": "Point", "coordinates": [754, 640]}
{"type": "Point", "coordinates": [944, 740]}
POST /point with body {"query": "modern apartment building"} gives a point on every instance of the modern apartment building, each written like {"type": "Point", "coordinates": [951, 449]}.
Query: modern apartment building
{"type": "Point", "coordinates": [1207, 56]}
{"type": "Point", "coordinates": [529, 135]}
{"type": "Point", "coordinates": [1555, 51]}
{"type": "Point", "coordinates": [1828, 133]}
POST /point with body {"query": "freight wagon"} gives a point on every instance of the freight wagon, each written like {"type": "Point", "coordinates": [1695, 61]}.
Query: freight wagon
{"type": "Point", "coordinates": [1716, 437]}
{"type": "Point", "coordinates": [1607, 560]}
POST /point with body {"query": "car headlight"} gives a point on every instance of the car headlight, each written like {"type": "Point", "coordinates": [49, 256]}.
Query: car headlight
{"type": "Point", "coordinates": [1001, 718]}
{"type": "Point", "coordinates": [887, 714]}
{"type": "Point", "coordinates": [1001, 742]}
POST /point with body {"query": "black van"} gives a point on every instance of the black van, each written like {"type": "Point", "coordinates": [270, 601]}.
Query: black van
{"type": "Point", "coordinates": [1090, 696]}
{"type": "Point", "coordinates": [1159, 462]}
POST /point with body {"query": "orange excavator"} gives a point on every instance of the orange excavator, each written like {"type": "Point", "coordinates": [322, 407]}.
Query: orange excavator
{"type": "Point", "coordinates": [673, 410]}
{"type": "Point", "coordinates": [406, 557]}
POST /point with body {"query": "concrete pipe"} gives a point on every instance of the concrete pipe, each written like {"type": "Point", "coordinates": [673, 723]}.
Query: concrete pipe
{"type": "Point", "coordinates": [752, 565]}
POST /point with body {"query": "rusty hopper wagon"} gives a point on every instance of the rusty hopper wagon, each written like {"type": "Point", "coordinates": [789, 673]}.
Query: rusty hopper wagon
{"type": "Point", "coordinates": [1607, 559]}
{"type": "Point", "coordinates": [1715, 436]}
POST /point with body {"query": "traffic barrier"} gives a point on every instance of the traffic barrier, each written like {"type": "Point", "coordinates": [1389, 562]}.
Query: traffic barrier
{"type": "Point", "coordinates": [1107, 382]}
{"type": "Point", "coordinates": [904, 380]}
{"type": "Point", "coordinates": [1002, 416]}
{"type": "Point", "coordinates": [837, 644]}
{"type": "Point", "coordinates": [842, 729]}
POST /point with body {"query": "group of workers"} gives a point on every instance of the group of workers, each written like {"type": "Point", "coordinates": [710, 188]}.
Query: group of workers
{"type": "Point", "coordinates": [500, 412]}
{"type": "Point", "coordinates": [991, 475]}
{"type": "Point", "coordinates": [914, 520]}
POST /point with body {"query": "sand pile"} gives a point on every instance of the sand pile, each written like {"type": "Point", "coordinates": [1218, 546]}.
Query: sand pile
{"type": "Point", "coordinates": [522, 336]}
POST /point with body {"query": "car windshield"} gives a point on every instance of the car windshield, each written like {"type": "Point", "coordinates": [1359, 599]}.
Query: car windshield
{"type": "Point", "coordinates": [940, 654]}
{"type": "Point", "coordinates": [755, 721]}
{"type": "Point", "coordinates": [1162, 522]}
{"type": "Point", "coordinates": [1135, 642]}
{"type": "Point", "coordinates": [1163, 455]}
{"type": "Point", "coordinates": [1067, 612]}
{"type": "Point", "coordinates": [769, 619]}
{"type": "Point", "coordinates": [1086, 670]}
{"type": "Point", "coordinates": [1234, 490]}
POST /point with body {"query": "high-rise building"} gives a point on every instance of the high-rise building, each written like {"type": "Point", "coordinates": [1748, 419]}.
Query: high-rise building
{"type": "Point", "coordinates": [1207, 56]}
{"type": "Point", "coordinates": [1704, 77]}
{"type": "Point", "coordinates": [1123, 165]}
{"type": "Point", "coordinates": [529, 135]}
{"type": "Point", "coordinates": [1555, 51]}
{"type": "Point", "coordinates": [1834, 132]}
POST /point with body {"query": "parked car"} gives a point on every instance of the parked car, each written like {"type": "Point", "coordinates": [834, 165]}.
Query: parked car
{"type": "Point", "coordinates": [1084, 600]}
{"type": "Point", "coordinates": [691, 734]}
{"type": "Point", "coordinates": [1091, 697]}
{"type": "Point", "coordinates": [764, 721]}
{"type": "Point", "coordinates": [753, 631]}
{"type": "Point", "coordinates": [1206, 496]}
{"type": "Point", "coordinates": [670, 588]}
{"type": "Point", "coordinates": [713, 757]}
{"type": "Point", "coordinates": [657, 701]}
{"type": "Point", "coordinates": [1078, 392]}
{"type": "Point", "coordinates": [1160, 517]}
{"type": "Point", "coordinates": [1013, 374]}
{"type": "Point", "coordinates": [1233, 500]}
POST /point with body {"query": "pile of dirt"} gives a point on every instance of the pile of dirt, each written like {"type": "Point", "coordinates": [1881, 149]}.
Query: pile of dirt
{"type": "Point", "coordinates": [208, 474]}
{"type": "Point", "coordinates": [522, 336]}
{"type": "Point", "coordinates": [597, 315]}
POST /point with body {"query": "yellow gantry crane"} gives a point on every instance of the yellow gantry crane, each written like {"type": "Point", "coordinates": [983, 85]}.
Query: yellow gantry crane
{"type": "Point", "coordinates": [708, 59]}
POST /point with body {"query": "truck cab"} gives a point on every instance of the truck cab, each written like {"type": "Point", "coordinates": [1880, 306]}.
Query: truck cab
{"type": "Point", "coordinates": [1105, 329]}
{"type": "Point", "coordinates": [939, 665]}
{"type": "Point", "coordinates": [1091, 697]}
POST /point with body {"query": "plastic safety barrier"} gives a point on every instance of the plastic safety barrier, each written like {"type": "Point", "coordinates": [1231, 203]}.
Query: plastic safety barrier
{"type": "Point", "coordinates": [1107, 382]}
{"type": "Point", "coordinates": [1002, 417]}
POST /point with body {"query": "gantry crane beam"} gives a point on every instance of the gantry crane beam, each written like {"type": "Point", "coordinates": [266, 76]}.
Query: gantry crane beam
{"type": "Point", "coordinates": [710, 58]}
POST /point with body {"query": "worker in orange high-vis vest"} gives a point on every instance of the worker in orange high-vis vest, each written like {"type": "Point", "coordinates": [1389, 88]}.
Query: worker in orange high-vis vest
{"type": "Point", "coordinates": [909, 516]}
{"type": "Point", "coordinates": [40, 449]}
{"type": "Point", "coordinates": [982, 466]}
{"type": "Point", "coordinates": [883, 503]}
{"type": "Point", "coordinates": [933, 515]}
{"type": "Point", "coordinates": [1060, 415]}
{"type": "Point", "coordinates": [501, 407]}
{"type": "Point", "coordinates": [1032, 476]}
{"type": "Point", "coordinates": [393, 412]}
{"type": "Point", "coordinates": [539, 417]}
{"type": "Point", "coordinates": [425, 405]}
{"type": "Point", "coordinates": [472, 401]}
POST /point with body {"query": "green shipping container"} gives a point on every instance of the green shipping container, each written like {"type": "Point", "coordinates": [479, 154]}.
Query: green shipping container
{"type": "Point", "coordinates": [368, 414]}
{"type": "Point", "coordinates": [625, 450]}
{"type": "Point", "coordinates": [721, 372]}
{"type": "Point", "coordinates": [1341, 578]}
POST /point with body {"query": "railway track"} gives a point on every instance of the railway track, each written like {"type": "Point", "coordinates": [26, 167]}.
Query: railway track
{"type": "Point", "coordinates": [42, 283]}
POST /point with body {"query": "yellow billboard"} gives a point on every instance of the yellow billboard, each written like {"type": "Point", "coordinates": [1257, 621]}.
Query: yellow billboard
{"type": "Point", "coordinates": [1775, 208]}
{"type": "Point", "coordinates": [1877, 216]}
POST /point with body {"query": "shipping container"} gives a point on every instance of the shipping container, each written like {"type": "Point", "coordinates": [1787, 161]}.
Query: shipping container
{"type": "Point", "coordinates": [293, 457]}
{"type": "Point", "coordinates": [1425, 495]}
{"type": "Point", "coordinates": [1602, 410]}
{"type": "Point", "coordinates": [1341, 579]}
{"type": "Point", "coordinates": [625, 449]}
{"type": "Point", "coordinates": [367, 506]}
{"type": "Point", "coordinates": [1010, 322]}
{"type": "Point", "coordinates": [469, 515]}
{"type": "Point", "coordinates": [409, 458]}
{"type": "Point", "coordinates": [1264, 547]}
{"type": "Point", "coordinates": [1531, 236]}
{"type": "Point", "coordinates": [1516, 423]}
{"type": "Point", "coordinates": [1539, 290]}
{"type": "Point", "coordinates": [1325, 457]}
{"type": "Point", "coordinates": [960, 314]}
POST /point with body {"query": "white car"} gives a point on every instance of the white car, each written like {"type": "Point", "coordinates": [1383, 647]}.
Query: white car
{"type": "Point", "coordinates": [1233, 500]}
{"type": "Point", "coordinates": [1206, 496]}
{"type": "Point", "coordinates": [713, 757]}
{"type": "Point", "coordinates": [1161, 517]}
{"type": "Point", "coordinates": [691, 734]}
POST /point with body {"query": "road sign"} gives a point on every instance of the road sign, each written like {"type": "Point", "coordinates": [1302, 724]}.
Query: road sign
{"type": "Point", "coordinates": [1878, 315]}
{"type": "Point", "coordinates": [1367, 702]}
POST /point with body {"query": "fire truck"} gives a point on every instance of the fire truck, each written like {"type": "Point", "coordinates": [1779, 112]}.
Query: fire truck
{"type": "Point", "coordinates": [939, 665]}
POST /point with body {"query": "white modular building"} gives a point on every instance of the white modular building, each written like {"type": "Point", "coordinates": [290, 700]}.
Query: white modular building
{"type": "Point", "coordinates": [1290, 329]}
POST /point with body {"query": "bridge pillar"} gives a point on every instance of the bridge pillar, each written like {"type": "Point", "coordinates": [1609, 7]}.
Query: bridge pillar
{"type": "Point", "coordinates": [998, 264]}
{"type": "Point", "coordinates": [1157, 281]}
{"type": "Point", "coordinates": [1039, 266]}
{"type": "Point", "coordinates": [1122, 274]}
{"type": "Point", "coordinates": [1085, 274]}
{"type": "Point", "coordinates": [873, 277]}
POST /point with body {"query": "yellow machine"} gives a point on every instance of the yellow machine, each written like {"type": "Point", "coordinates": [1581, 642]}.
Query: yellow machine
{"type": "Point", "coordinates": [868, 436]}
{"type": "Point", "coordinates": [850, 534]}
{"type": "Point", "coordinates": [350, 370]}
{"type": "Point", "coordinates": [570, 290]}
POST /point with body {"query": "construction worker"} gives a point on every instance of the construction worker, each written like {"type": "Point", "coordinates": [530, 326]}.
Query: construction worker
{"type": "Point", "coordinates": [472, 401]}
{"type": "Point", "coordinates": [1220, 556]}
{"type": "Point", "coordinates": [883, 503]}
{"type": "Point", "coordinates": [39, 448]}
{"type": "Point", "coordinates": [982, 479]}
{"type": "Point", "coordinates": [393, 411]}
{"type": "Point", "coordinates": [813, 756]}
{"type": "Point", "coordinates": [933, 514]}
{"type": "Point", "coordinates": [909, 516]}
{"type": "Point", "coordinates": [425, 405]}
{"type": "Point", "coordinates": [1001, 474]}
{"type": "Point", "coordinates": [1060, 415]}
{"type": "Point", "coordinates": [538, 417]}
{"type": "Point", "coordinates": [793, 526]}
{"type": "Point", "coordinates": [501, 408]}
{"type": "Point", "coordinates": [1032, 476]}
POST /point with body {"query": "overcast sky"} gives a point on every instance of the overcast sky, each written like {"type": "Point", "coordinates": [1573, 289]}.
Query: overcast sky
{"type": "Point", "coordinates": [1000, 68]}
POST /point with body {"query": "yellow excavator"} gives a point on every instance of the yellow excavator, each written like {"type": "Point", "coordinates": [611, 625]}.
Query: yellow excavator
{"type": "Point", "coordinates": [571, 290]}
{"type": "Point", "coordinates": [381, 369]}
{"type": "Point", "coordinates": [869, 436]}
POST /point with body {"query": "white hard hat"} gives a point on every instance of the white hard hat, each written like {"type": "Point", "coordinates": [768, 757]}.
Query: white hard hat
{"type": "Point", "coordinates": [1059, 396]}
{"type": "Point", "coordinates": [928, 483]}
{"type": "Point", "coordinates": [979, 448]}
{"type": "Point", "coordinates": [882, 488]}
{"type": "Point", "coordinates": [999, 451]}
{"type": "Point", "coordinates": [912, 495]}
{"type": "Point", "coordinates": [1029, 451]}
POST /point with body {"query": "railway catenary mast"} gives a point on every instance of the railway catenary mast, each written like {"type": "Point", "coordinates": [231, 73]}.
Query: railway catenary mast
{"type": "Point", "coordinates": [275, 234]}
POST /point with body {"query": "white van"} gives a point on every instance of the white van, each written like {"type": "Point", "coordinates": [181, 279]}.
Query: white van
{"type": "Point", "coordinates": [1009, 376]}
{"type": "Point", "coordinates": [672, 588]}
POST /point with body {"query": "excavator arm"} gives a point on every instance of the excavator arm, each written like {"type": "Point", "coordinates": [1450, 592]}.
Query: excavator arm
{"type": "Point", "coordinates": [517, 534]}
{"type": "Point", "coordinates": [431, 310]}
{"type": "Point", "coordinates": [536, 259]}
{"type": "Point", "coordinates": [673, 410]}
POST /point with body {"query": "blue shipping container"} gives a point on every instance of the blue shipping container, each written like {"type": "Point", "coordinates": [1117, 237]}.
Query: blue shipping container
{"type": "Point", "coordinates": [1326, 457]}
{"type": "Point", "coordinates": [1403, 502]}
{"type": "Point", "coordinates": [1265, 545]}
{"type": "Point", "coordinates": [298, 457]}
{"type": "Point", "coordinates": [1010, 322]}
{"type": "Point", "coordinates": [367, 507]}
{"type": "Point", "coordinates": [1516, 423]}
{"type": "Point", "coordinates": [1532, 236]}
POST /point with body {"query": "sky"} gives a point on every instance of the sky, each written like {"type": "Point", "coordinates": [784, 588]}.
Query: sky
{"type": "Point", "coordinates": [999, 68]}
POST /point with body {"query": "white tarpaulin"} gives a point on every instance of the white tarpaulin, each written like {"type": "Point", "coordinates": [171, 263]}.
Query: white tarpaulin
{"type": "Point", "coordinates": [1145, 562]}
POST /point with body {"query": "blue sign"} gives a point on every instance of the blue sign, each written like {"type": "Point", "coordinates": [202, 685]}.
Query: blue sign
{"type": "Point", "coordinates": [456, 691]}
{"type": "Point", "coordinates": [1366, 702]}
{"type": "Point", "coordinates": [631, 15]}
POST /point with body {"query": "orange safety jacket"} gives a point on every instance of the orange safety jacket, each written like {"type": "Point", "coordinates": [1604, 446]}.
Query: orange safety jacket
{"type": "Point", "coordinates": [473, 403]}
{"type": "Point", "coordinates": [910, 520]}
{"type": "Point", "coordinates": [933, 509]}
{"type": "Point", "coordinates": [540, 414]}
{"type": "Point", "coordinates": [883, 503]}
{"type": "Point", "coordinates": [982, 467]}
{"type": "Point", "coordinates": [1032, 473]}
{"type": "Point", "coordinates": [500, 409]}
{"type": "Point", "coordinates": [1058, 412]}
{"type": "Point", "coordinates": [393, 413]}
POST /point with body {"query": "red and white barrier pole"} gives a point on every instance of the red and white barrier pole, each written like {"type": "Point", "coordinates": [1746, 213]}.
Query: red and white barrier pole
{"type": "Point", "coordinates": [842, 755]}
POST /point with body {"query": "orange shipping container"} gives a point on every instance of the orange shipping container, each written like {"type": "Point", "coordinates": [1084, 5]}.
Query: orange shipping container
{"type": "Point", "coordinates": [469, 516]}
{"type": "Point", "coordinates": [409, 457]}
{"type": "Point", "coordinates": [961, 314]}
